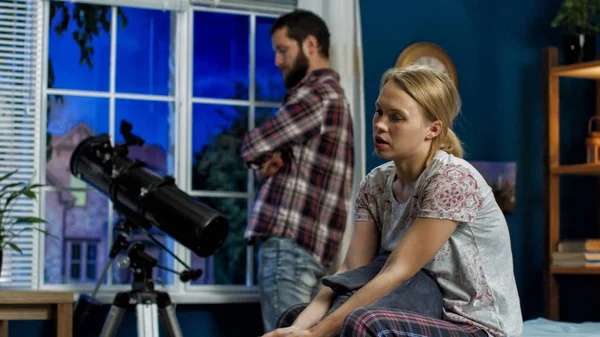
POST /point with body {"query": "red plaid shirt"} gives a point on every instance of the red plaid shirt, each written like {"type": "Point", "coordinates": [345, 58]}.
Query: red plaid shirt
{"type": "Point", "coordinates": [307, 200]}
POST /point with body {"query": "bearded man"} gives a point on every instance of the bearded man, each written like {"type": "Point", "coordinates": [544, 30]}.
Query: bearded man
{"type": "Point", "coordinates": [304, 159]}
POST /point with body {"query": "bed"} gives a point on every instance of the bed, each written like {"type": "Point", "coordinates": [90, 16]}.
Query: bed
{"type": "Point", "coordinates": [541, 327]}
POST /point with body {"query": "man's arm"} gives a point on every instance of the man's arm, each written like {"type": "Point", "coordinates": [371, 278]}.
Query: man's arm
{"type": "Point", "coordinates": [296, 122]}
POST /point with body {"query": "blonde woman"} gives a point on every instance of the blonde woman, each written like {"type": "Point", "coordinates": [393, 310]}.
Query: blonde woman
{"type": "Point", "coordinates": [427, 216]}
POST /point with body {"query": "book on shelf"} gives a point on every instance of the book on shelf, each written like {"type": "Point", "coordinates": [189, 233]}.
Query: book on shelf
{"type": "Point", "coordinates": [591, 256]}
{"type": "Point", "coordinates": [583, 245]}
{"type": "Point", "coordinates": [576, 259]}
{"type": "Point", "coordinates": [574, 263]}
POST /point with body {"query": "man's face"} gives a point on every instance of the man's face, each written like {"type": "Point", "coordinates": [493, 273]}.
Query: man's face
{"type": "Point", "coordinates": [289, 58]}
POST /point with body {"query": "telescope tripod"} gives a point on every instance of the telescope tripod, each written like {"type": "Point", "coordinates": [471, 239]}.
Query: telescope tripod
{"type": "Point", "coordinates": [149, 302]}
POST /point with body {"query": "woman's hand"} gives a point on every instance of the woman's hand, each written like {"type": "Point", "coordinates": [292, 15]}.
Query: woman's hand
{"type": "Point", "coordinates": [291, 331]}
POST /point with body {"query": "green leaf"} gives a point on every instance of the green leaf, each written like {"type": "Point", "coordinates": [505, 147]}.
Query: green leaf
{"type": "Point", "coordinates": [45, 232]}
{"type": "Point", "coordinates": [15, 247]}
{"type": "Point", "coordinates": [12, 196]}
{"type": "Point", "coordinates": [5, 187]}
{"type": "Point", "coordinates": [30, 219]}
{"type": "Point", "coordinates": [29, 194]}
{"type": "Point", "coordinates": [8, 175]}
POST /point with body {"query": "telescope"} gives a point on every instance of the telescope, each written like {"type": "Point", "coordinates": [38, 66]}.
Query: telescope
{"type": "Point", "coordinates": [144, 197]}
{"type": "Point", "coordinates": [143, 200]}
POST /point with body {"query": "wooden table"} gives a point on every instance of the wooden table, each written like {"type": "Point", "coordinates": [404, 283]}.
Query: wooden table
{"type": "Point", "coordinates": [37, 305]}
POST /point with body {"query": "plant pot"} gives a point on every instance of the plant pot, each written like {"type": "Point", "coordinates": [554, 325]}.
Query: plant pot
{"type": "Point", "coordinates": [579, 48]}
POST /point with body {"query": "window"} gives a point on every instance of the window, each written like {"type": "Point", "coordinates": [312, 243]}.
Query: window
{"type": "Point", "coordinates": [105, 65]}
{"type": "Point", "coordinates": [229, 98]}
{"type": "Point", "coordinates": [191, 103]}
{"type": "Point", "coordinates": [81, 261]}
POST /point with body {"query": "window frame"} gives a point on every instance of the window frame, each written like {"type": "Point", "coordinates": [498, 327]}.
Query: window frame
{"type": "Point", "coordinates": [182, 30]}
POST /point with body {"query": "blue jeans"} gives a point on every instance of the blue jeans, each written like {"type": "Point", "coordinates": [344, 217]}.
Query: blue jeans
{"type": "Point", "coordinates": [288, 275]}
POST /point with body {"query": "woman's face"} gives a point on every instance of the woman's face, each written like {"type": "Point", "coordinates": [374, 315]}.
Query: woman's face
{"type": "Point", "coordinates": [400, 130]}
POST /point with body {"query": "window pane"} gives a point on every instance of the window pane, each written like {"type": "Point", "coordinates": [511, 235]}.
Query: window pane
{"type": "Point", "coordinates": [79, 46]}
{"type": "Point", "coordinates": [217, 133]}
{"type": "Point", "coordinates": [263, 114]}
{"type": "Point", "coordinates": [221, 55]}
{"type": "Point", "coordinates": [123, 274]}
{"type": "Point", "coordinates": [90, 269]}
{"type": "Point", "coordinates": [228, 264]}
{"type": "Point", "coordinates": [73, 216]}
{"type": "Point", "coordinates": [75, 272]}
{"type": "Point", "coordinates": [71, 119]}
{"type": "Point", "coordinates": [90, 272]}
{"type": "Point", "coordinates": [269, 83]}
{"type": "Point", "coordinates": [150, 121]}
{"type": "Point", "coordinates": [143, 51]}
{"type": "Point", "coordinates": [75, 252]}
{"type": "Point", "coordinates": [91, 253]}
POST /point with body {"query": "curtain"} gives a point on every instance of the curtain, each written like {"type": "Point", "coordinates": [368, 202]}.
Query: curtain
{"type": "Point", "coordinates": [345, 55]}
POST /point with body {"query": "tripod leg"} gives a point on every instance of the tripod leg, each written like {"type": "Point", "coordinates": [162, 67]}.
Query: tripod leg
{"type": "Point", "coordinates": [115, 315]}
{"type": "Point", "coordinates": [147, 319]}
{"type": "Point", "coordinates": [167, 315]}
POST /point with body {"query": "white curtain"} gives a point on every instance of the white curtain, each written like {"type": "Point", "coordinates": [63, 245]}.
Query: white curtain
{"type": "Point", "coordinates": [345, 54]}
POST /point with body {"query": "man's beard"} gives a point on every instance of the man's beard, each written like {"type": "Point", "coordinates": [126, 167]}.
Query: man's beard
{"type": "Point", "coordinates": [298, 71]}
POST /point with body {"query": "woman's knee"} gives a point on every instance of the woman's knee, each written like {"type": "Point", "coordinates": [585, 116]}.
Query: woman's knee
{"type": "Point", "coordinates": [356, 323]}
{"type": "Point", "coordinates": [370, 322]}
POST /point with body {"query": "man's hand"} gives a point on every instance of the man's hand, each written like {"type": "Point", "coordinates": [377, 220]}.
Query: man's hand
{"type": "Point", "coordinates": [271, 166]}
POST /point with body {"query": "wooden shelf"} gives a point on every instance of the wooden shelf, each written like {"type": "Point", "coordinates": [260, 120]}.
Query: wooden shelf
{"type": "Point", "coordinates": [589, 70]}
{"type": "Point", "coordinates": [575, 270]}
{"type": "Point", "coordinates": [585, 169]}
{"type": "Point", "coordinates": [553, 72]}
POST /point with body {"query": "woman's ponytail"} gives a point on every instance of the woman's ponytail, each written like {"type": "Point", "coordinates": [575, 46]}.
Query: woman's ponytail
{"type": "Point", "coordinates": [452, 144]}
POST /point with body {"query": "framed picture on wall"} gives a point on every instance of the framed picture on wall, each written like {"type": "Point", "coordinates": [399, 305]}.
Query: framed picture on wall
{"type": "Point", "coordinates": [502, 178]}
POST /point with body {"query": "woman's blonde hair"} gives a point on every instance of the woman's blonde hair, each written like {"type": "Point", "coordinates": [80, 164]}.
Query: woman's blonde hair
{"type": "Point", "coordinates": [437, 95]}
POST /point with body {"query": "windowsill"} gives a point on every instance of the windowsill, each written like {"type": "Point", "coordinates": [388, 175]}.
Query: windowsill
{"type": "Point", "coordinates": [193, 295]}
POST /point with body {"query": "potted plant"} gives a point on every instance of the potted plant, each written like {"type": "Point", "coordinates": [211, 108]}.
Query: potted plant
{"type": "Point", "coordinates": [10, 192]}
{"type": "Point", "coordinates": [580, 18]}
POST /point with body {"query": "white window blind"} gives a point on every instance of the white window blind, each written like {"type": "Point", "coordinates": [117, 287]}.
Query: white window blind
{"type": "Point", "coordinates": [258, 5]}
{"type": "Point", "coordinates": [20, 116]}
{"type": "Point", "coordinates": [174, 5]}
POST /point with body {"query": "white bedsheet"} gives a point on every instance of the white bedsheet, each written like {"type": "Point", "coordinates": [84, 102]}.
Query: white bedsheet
{"type": "Point", "coordinates": [541, 327]}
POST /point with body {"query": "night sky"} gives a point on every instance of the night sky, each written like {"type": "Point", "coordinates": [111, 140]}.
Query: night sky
{"type": "Point", "coordinates": [221, 59]}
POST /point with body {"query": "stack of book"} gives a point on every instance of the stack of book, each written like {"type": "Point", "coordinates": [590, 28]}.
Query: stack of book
{"type": "Point", "coordinates": [577, 253]}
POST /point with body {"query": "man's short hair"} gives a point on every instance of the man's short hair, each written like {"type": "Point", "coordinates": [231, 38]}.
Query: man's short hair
{"type": "Point", "coordinates": [302, 23]}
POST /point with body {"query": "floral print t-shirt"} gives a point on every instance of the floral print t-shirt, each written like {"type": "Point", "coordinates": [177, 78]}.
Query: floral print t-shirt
{"type": "Point", "coordinates": [474, 268]}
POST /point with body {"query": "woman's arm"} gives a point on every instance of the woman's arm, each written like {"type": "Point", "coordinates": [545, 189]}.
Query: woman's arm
{"type": "Point", "coordinates": [417, 247]}
{"type": "Point", "coordinates": [363, 246]}
{"type": "Point", "coordinates": [362, 249]}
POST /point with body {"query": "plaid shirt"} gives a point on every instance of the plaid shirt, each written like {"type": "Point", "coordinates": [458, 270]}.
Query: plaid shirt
{"type": "Point", "coordinates": [307, 200]}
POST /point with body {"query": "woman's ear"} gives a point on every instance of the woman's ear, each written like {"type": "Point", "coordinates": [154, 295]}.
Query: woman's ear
{"type": "Point", "coordinates": [435, 129]}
